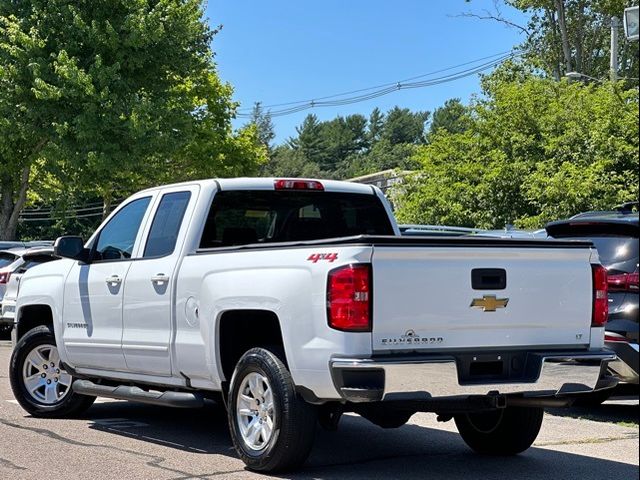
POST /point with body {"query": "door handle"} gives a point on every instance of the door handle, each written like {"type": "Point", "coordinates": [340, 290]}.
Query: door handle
{"type": "Point", "coordinates": [160, 279]}
{"type": "Point", "coordinates": [114, 280]}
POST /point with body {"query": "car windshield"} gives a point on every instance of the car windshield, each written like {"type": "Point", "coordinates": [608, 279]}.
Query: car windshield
{"type": "Point", "coordinates": [617, 253]}
{"type": "Point", "coordinates": [7, 258]}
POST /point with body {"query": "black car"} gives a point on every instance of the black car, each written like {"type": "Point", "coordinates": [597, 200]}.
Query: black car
{"type": "Point", "coordinates": [615, 235]}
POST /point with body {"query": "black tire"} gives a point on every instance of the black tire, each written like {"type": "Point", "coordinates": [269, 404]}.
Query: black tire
{"type": "Point", "coordinates": [506, 431]}
{"type": "Point", "coordinates": [295, 420]}
{"type": "Point", "coordinates": [386, 417]}
{"type": "Point", "coordinates": [71, 404]}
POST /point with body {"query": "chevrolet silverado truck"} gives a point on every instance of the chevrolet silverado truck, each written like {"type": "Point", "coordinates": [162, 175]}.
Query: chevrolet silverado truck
{"type": "Point", "coordinates": [293, 301]}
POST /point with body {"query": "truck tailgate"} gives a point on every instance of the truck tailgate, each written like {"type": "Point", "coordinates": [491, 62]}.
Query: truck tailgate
{"type": "Point", "coordinates": [424, 298]}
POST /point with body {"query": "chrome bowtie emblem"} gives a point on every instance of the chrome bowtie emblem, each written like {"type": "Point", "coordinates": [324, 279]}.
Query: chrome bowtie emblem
{"type": "Point", "coordinates": [489, 303]}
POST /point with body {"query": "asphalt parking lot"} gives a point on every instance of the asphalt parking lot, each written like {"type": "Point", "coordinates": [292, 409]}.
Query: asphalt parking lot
{"type": "Point", "coordinates": [121, 440]}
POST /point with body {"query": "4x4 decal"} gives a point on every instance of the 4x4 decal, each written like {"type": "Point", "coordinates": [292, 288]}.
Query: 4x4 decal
{"type": "Point", "coordinates": [316, 257]}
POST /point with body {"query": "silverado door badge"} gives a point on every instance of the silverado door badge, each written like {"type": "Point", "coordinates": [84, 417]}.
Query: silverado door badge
{"type": "Point", "coordinates": [489, 303]}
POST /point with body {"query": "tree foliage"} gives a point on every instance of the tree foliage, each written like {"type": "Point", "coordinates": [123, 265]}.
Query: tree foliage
{"type": "Point", "coordinates": [346, 147]}
{"type": "Point", "coordinates": [571, 36]}
{"type": "Point", "coordinates": [109, 97]}
{"type": "Point", "coordinates": [452, 117]}
{"type": "Point", "coordinates": [535, 150]}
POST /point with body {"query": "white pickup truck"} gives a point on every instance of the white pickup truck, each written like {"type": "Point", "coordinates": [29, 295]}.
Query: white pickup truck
{"type": "Point", "coordinates": [294, 301]}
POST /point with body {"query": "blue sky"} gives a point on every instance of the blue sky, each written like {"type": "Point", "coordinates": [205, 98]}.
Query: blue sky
{"type": "Point", "coordinates": [279, 51]}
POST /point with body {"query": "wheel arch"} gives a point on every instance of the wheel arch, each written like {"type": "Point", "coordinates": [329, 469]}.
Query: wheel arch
{"type": "Point", "coordinates": [31, 316]}
{"type": "Point", "coordinates": [241, 330]}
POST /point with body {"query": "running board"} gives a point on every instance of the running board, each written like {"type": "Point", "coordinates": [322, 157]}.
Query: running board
{"type": "Point", "coordinates": [135, 394]}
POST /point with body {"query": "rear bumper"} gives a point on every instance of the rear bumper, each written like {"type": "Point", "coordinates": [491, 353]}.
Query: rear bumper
{"type": "Point", "coordinates": [545, 374]}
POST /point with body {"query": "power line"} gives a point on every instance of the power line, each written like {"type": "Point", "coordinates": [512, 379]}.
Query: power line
{"type": "Point", "coordinates": [243, 110]}
{"type": "Point", "coordinates": [79, 211]}
{"type": "Point", "coordinates": [65, 217]}
{"type": "Point", "coordinates": [387, 88]}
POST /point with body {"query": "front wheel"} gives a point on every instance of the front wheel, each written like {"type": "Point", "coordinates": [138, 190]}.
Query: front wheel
{"type": "Point", "coordinates": [272, 428]}
{"type": "Point", "coordinates": [39, 383]}
{"type": "Point", "coordinates": [506, 431]}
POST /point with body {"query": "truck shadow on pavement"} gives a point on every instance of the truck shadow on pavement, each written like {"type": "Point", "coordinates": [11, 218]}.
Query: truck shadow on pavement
{"type": "Point", "coordinates": [358, 450]}
{"type": "Point", "coordinates": [610, 412]}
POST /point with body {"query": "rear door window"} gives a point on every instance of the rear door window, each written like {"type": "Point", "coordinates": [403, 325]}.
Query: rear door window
{"type": "Point", "coordinates": [166, 224]}
{"type": "Point", "coordinates": [245, 217]}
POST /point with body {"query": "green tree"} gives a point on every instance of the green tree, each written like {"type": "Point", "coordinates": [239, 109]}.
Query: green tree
{"type": "Point", "coordinates": [536, 150]}
{"type": "Point", "coordinates": [264, 126]}
{"type": "Point", "coordinates": [342, 137]}
{"type": "Point", "coordinates": [452, 117]}
{"type": "Point", "coordinates": [570, 35]}
{"type": "Point", "coordinates": [376, 122]}
{"type": "Point", "coordinates": [112, 96]}
{"type": "Point", "coordinates": [401, 125]}
{"type": "Point", "coordinates": [290, 162]}
{"type": "Point", "coordinates": [350, 146]}
{"type": "Point", "coordinates": [309, 140]}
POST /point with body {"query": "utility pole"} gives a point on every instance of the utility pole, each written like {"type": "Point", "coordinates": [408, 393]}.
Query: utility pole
{"type": "Point", "coordinates": [613, 65]}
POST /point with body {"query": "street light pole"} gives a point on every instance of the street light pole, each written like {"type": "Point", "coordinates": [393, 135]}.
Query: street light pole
{"type": "Point", "coordinates": [613, 64]}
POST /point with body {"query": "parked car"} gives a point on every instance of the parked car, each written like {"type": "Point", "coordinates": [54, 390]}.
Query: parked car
{"type": "Point", "coordinates": [436, 231]}
{"type": "Point", "coordinates": [28, 260]}
{"type": "Point", "coordinates": [514, 233]}
{"type": "Point", "coordinates": [7, 259]}
{"type": "Point", "coordinates": [451, 231]}
{"type": "Point", "coordinates": [5, 245]}
{"type": "Point", "coordinates": [10, 260]}
{"type": "Point", "coordinates": [296, 301]}
{"type": "Point", "coordinates": [615, 235]}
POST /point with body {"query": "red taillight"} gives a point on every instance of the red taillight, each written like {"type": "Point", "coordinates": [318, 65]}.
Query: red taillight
{"type": "Point", "coordinates": [4, 277]}
{"type": "Point", "coordinates": [600, 296]}
{"type": "Point", "coordinates": [293, 184]}
{"type": "Point", "coordinates": [623, 282]}
{"type": "Point", "coordinates": [349, 298]}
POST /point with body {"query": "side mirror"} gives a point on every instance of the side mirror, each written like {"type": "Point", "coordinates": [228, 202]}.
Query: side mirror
{"type": "Point", "coordinates": [71, 247]}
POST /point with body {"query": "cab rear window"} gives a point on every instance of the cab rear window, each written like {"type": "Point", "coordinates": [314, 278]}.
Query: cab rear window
{"type": "Point", "coordinates": [245, 217]}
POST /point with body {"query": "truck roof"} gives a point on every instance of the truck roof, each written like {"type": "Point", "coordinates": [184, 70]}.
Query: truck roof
{"type": "Point", "coordinates": [255, 183]}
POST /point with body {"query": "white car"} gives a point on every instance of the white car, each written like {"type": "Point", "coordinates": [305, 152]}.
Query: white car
{"type": "Point", "coordinates": [11, 259]}
{"type": "Point", "coordinates": [26, 259]}
{"type": "Point", "coordinates": [296, 300]}
{"type": "Point", "coordinates": [7, 258]}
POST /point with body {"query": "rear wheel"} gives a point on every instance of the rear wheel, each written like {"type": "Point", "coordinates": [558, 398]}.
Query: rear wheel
{"type": "Point", "coordinates": [39, 383]}
{"type": "Point", "coordinates": [506, 431]}
{"type": "Point", "coordinates": [272, 428]}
